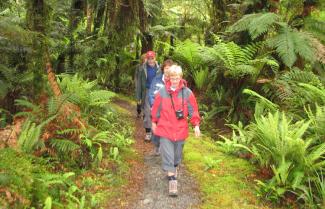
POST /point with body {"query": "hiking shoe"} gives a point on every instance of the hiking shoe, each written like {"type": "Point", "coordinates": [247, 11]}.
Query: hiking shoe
{"type": "Point", "coordinates": [172, 188]}
{"type": "Point", "coordinates": [147, 138]}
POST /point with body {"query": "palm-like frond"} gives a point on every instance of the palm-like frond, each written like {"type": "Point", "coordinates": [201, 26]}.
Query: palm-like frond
{"type": "Point", "coordinates": [255, 24]}
{"type": "Point", "coordinates": [262, 100]}
{"type": "Point", "coordinates": [64, 145]}
{"type": "Point", "coordinates": [187, 53]}
{"type": "Point", "coordinates": [84, 93]}
{"type": "Point", "coordinates": [100, 97]}
{"type": "Point", "coordinates": [314, 93]}
{"type": "Point", "coordinates": [27, 104]}
{"type": "Point", "coordinates": [10, 30]}
{"type": "Point", "coordinates": [289, 43]}
{"type": "Point", "coordinates": [287, 91]}
{"type": "Point", "coordinates": [237, 61]}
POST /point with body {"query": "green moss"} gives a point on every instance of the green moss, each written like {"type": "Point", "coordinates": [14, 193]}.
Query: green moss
{"type": "Point", "coordinates": [226, 185]}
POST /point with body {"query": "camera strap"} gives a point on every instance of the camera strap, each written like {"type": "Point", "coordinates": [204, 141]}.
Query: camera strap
{"type": "Point", "coordinates": [171, 98]}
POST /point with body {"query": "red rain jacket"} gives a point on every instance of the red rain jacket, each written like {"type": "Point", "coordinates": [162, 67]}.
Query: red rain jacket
{"type": "Point", "coordinates": [163, 113]}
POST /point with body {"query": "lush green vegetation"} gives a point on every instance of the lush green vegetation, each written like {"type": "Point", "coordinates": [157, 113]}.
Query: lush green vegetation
{"type": "Point", "coordinates": [256, 66]}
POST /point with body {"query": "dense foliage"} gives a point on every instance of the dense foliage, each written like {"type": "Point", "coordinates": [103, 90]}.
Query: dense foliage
{"type": "Point", "coordinates": [257, 66]}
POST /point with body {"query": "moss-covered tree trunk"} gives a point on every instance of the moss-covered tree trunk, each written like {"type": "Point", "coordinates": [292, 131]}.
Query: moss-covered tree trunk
{"type": "Point", "coordinates": [146, 39]}
{"type": "Point", "coordinates": [218, 17]}
{"type": "Point", "coordinates": [99, 15]}
{"type": "Point", "coordinates": [76, 15]}
{"type": "Point", "coordinates": [37, 18]}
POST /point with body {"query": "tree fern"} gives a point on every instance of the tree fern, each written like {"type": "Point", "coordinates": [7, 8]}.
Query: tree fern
{"type": "Point", "coordinates": [289, 43]}
{"type": "Point", "coordinates": [54, 104]}
{"type": "Point", "coordinates": [188, 53]}
{"type": "Point", "coordinates": [237, 61]}
{"type": "Point", "coordinates": [286, 90]}
{"type": "Point", "coordinates": [255, 24]}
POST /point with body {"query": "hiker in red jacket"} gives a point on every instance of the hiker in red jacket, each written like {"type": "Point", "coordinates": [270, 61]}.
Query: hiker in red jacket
{"type": "Point", "coordinates": [173, 104]}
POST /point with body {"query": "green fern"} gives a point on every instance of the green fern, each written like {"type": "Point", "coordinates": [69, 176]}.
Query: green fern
{"type": "Point", "coordinates": [317, 118]}
{"type": "Point", "coordinates": [64, 145]}
{"type": "Point", "coordinates": [188, 54]}
{"type": "Point", "coordinates": [289, 43]}
{"type": "Point", "coordinates": [262, 100]}
{"type": "Point", "coordinates": [29, 137]}
{"type": "Point", "coordinates": [201, 78]}
{"type": "Point", "coordinates": [54, 104]}
{"type": "Point", "coordinates": [15, 33]}
{"type": "Point", "coordinates": [84, 93]}
{"type": "Point", "coordinates": [27, 104]}
{"type": "Point", "coordinates": [255, 24]}
{"type": "Point", "coordinates": [100, 97]}
{"type": "Point", "coordinates": [314, 93]}
{"type": "Point", "coordinates": [237, 61]}
{"type": "Point", "coordinates": [70, 131]}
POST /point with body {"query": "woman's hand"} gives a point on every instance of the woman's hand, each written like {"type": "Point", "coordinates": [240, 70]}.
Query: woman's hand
{"type": "Point", "coordinates": [197, 131]}
{"type": "Point", "coordinates": [153, 127]}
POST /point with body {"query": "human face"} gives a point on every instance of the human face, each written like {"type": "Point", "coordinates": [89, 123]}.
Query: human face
{"type": "Point", "coordinates": [174, 80]}
{"type": "Point", "coordinates": [151, 61]}
{"type": "Point", "coordinates": [166, 68]}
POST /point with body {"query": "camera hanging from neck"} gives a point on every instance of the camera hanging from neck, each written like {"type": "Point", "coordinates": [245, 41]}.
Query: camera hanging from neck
{"type": "Point", "coordinates": [178, 111]}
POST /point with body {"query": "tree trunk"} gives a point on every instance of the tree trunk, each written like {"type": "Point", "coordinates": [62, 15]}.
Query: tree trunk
{"type": "Point", "coordinates": [76, 15]}
{"type": "Point", "coordinates": [36, 21]}
{"type": "Point", "coordinates": [90, 13]}
{"type": "Point", "coordinates": [172, 45]}
{"type": "Point", "coordinates": [99, 16]}
{"type": "Point", "coordinates": [147, 38]}
{"type": "Point", "coordinates": [218, 16]}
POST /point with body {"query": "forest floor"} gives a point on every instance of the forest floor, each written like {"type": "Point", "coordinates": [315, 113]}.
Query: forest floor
{"type": "Point", "coordinates": [208, 177]}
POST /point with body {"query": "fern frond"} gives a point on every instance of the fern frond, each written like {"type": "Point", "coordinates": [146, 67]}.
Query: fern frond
{"type": "Point", "coordinates": [100, 97]}
{"type": "Point", "coordinates": [29, 137]}
{"type": "Point", "coordinates": [241, 70]}
{"type": "Point", "coordinates": [27, 104]}
{"type": "Point", "coordinates": [55, 103]}
{"type": "Point", "coordinates": [201, 78]}
{"type": "Point", "coordinates": [13, 32]}
{"type": "Point", "coordinates": [255, 24]}
{"type": "Point", "coordinates": [64, 145]}
{"type": "Point", "coordinates": [188, 53]}
{"type": "Point", "coordinates": [302, 76]}
{"type": "Point", "coordinates": [315, 94]}
{"type": "Point", "coordinates": [272, 106]}
{"type": "Point", "coordinates": [71, 131]}
{"type": "Point", "coordinates": [289, 43]}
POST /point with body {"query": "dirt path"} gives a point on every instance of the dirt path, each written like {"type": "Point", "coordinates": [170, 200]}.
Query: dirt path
{"type": "Point", "coordinates": [152, 193]}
